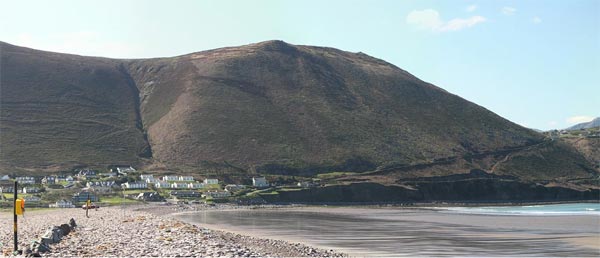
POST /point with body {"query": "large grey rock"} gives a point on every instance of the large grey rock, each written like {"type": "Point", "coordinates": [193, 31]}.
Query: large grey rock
{"type": "Point", "coordinates": [56, 234]}
{"type": "Point", "coordinates": [65, 228]}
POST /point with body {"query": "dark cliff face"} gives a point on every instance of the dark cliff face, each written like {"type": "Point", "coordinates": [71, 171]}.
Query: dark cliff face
{"type": "Point", "coordinates": [269, 108]}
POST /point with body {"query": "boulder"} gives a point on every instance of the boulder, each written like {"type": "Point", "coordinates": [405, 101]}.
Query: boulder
{"type": "Point", "coordinates": [65, 228]}
{"type": "Point", "coordinates": [56, 234]}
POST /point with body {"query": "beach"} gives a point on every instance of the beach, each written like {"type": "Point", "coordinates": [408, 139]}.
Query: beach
{"type": "Point", "coordinates": [295, 230]}
{"type": "Point", "coordinates": [393, 231]}
{"type": "Point", "coordinates": [133, 231]}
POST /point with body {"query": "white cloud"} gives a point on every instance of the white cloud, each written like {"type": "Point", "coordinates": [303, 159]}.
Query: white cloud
{"type": "Point", "coordinates": [579, 119]}
{"type": "Point", "coordinates": [471, 8]}
{"type": "Point", "coordinates": [507, 10]}
{"type": "Point", "coordinates": [552, 123]}
{"type": "Point", "coordinates": [458, 24]}
{"type": "Point", "coordinates": [536, 20]}
{"type": "Point", "coordinates": [430, 19]}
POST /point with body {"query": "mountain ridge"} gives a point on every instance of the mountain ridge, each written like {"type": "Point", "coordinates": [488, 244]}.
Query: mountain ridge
{"type": "Point", "coordinates": [268, 108]}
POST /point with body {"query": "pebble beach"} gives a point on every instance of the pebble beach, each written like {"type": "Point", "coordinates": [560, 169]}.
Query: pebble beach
{"type": "Point", "coordinates": [141, 231]}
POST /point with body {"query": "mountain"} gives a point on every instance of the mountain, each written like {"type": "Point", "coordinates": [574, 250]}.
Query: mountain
{"type": "Point", "coordinates": [267, 108]}
{"type": "Point", "coordinates": [586, 125]}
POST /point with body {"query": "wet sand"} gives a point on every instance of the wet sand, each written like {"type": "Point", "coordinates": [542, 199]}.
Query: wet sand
{"type": "Point", "coordinates": [413, 232]}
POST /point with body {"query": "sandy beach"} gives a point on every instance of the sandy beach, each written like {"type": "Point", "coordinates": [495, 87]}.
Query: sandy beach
{"type": "Point", "coordinates": [360, 231]}
{"type": "Point", "coordinates": [133, 231]}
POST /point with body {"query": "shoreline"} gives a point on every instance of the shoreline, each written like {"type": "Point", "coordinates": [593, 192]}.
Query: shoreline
{"type": "Point", "coordinates": [143, 230]}
{"type": "Point", "coordinates": [146, 229]}
{"type": "Point", "coordinates": [564, 233]}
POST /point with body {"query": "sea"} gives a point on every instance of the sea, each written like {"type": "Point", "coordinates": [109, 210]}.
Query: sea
{"type": "Point", "coordinates": [533, 230]}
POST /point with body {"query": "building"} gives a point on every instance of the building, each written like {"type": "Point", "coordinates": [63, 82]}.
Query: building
{"type": "Point", "coordinates": [86, 174]}
{"type": "Point", "coordinates": [32, 199]}
{"type": "Point", "coordinates": [195, 185]}
{"type": "Point", "coordinates": [62, 204]}
{"type": "Point", "coordinates": [49, 180]}
{"type": "Point", "coordinates": [306, 184]}
{"type": "Point", "coordinates": [179, 185]}
{"type": "Point", "coordinates": [83, 197]}
{"type": "Point", "coordinates": [260, 182]}
{"type": "Point", "coordinates": [101, 186]}
{"type": "Point", "coordinates": [210, 181]}
{"type": "Point", "coordinates": [31, 189]}
{"type": "Point", "coordinates": [135, 185]}
{"type": "Point", "coordinates": [125, 170]}
{"type": "Point", "coordinates": [150, 180]}
{"type": "Point", "coordinates": [7, 189]}
{"type": "Point", "coordinates": [234, 188]}
{"type": "Point", "coordinates": [216, 194]}
{"type": "Point", "coordinates": [25, 180]}
{"type": "Point", "coordinates": [109, 174]}
{"type": "Point", "coordinates": [162, 184]}
{"type": "Point", "coordinates": [186, 194]}
{"type": "Point", "coordinates": [4, 178]}
{"type": "Point", "coordinates": [186, 178]}
{"type": "Point", "coordinates": [170, 178]}
{"type": "Point", "coordinates": [144, 177]}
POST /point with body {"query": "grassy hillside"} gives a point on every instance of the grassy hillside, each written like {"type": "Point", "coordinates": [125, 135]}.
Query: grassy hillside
{"type": "Point", "coordinates": [59, 110]}
{"type": "Point", "coordinates": [266, 108]}
{"type": "Point", "coordinates": [275, 107]}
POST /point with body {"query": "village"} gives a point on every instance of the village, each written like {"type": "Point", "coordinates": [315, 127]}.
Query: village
{"type": "Point", "coordinates": [125, 185]}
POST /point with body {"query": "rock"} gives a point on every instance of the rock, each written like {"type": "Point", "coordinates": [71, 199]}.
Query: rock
{"type": "Point", "coordinates": [65, 228]}
{"type": "Point", "coordinates": [72, 223]}
{"type": "Point", "coordinates": [56, 234]}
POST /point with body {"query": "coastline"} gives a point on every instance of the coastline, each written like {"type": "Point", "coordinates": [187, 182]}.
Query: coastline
{"type": "Point", "coordinates": [420, 230]}
{"type": "Point", "coordinates": [160, 230]}
{"type": "Point", "coordinates": [134, 231]}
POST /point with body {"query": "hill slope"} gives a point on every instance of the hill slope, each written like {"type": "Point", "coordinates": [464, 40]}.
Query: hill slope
{"type": "Point", "coordinates": [586, 125]}
{"type": "Point", "coordinates": [269, 107]}
{"type": "Point", "coordinates": [279, 107]}
{"type": "Point", "coordinates": [59, 109]}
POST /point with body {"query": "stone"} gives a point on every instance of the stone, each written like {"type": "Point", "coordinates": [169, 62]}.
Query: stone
{"type": "Point", "coordinates": [65, 228]}
{"type": "Point", "coordinates": [56, 234]}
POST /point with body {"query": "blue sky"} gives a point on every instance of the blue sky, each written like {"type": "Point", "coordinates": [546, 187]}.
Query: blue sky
{"type": "Point", "coordinates": [536, 63]}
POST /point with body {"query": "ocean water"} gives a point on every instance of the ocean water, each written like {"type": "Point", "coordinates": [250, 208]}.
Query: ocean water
{"type": "Point", "coordinates": [541, 230]}
{"type": "Point", "coordinates": [548, 210]}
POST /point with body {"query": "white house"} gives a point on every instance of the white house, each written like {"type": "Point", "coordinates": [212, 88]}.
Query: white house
{"type": "Point", "coordinates": [31, 199]}
{"type": "Point", "coordinates": [101, 186]}
{"type": "Point", "coordinates": [151, 180]}
{"type": "Point", "coordinates": [186, 178]}
{"type": "Point", "coordinates": [125, 170]}
{"type": "Point", "coordinates": [135, 185]}
{"type": "Point", "coordinates": [162, 184]}
{"type": "Point", "coordinates": [144, 177]}
{"type": "Point", "coordinates": [25, 180]}
{"type": "Point", "coordinates": [170, 178]}
{"type": "Point", "coordinates": [31, 190]}
{"type": "Point", "coordinates": [259, 182]}
{"type": "Point", "coordinates": [5, 178]}
{"type": "Point", "coordinates": [195, 185]}
{"type": "Point", "coordinates": [210, 181]}
{"type": "Point", "coordinates": [216, 194]}
{"type": "Point", "coordinates": [179, 185]}
{"type": "Point", "coordinates": [62, 204]}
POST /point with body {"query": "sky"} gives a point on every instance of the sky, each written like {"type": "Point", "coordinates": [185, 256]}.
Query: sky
{"type": "Point", "coordinates": [536, 63]}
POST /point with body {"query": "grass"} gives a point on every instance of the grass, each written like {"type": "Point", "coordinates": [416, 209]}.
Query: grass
{"type": "Point", "coordinates": [334, 175]}
{"type": "Point", "coordinates": [115, 200]}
